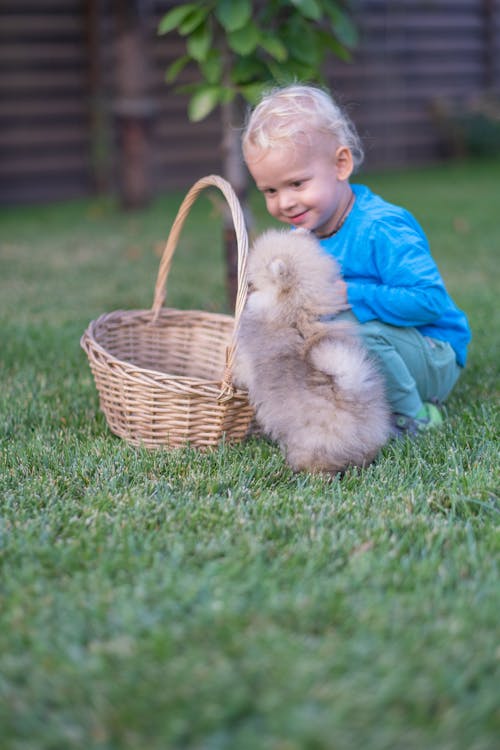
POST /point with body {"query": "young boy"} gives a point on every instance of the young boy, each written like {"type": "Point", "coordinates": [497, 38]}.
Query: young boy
{"type": "Point", "coordinates": [301, 150]}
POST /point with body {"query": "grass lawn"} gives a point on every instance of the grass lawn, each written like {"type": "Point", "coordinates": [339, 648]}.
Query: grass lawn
{"type": "Point", "coordinates": [173, 600]}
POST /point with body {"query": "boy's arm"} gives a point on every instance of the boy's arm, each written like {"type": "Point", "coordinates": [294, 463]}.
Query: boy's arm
{"type": "Point", "coordinates": [403, 286]}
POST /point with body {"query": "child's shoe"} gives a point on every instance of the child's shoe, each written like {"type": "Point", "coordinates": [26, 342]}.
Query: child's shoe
{"type": "Point", "coordinates": [428, 418]}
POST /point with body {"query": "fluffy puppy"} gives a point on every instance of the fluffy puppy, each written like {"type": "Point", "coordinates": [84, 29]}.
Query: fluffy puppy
{"type": "Point", "coordinates": [311, 382]}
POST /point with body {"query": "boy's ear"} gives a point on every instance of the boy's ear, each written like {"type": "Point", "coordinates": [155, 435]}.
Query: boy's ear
{"type": "Point", "coordinates": [344, 163]}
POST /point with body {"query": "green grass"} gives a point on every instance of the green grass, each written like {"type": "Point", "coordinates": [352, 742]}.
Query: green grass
{"type": "Point", "coordinates": [219, 602]}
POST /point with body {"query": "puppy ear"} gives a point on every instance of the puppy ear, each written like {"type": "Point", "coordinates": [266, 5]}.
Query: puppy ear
{"type": "Point", "coordinates": [277, 268]}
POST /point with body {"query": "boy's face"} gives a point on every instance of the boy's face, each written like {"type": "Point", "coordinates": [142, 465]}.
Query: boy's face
{"type": "Point", "coordinates": [303, 185]}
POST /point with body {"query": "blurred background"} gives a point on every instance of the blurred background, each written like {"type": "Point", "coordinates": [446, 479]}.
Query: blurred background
{"type": "Point", "coordinates": [84, 106]}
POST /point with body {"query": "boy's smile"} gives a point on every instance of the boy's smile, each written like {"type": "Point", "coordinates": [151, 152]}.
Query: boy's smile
{"type": "Point", "coordinates": [299, 218]}
{"type": "Point", "coordinates": [306, 186]}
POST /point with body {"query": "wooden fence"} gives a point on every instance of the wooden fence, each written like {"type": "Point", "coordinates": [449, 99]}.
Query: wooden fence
{"type": "Point", "coordinates": [59, 90]}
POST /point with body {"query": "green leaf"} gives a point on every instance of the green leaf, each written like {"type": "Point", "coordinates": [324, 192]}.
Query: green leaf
{"type": "Point", "coordinates": [226, 95]}
{"type": "Point", "coordinates": [274, 47]}
{"type": "Point", "coordinates": [342, 26]}
{"type": "Point", "coordinates": [211, 67]}
{"type": "Point", "coordinates": [198, 44]}
{"type": "Point", "coordinates": [203, 102]}
{"type": "Point", "coordinates": [244, 41]}
{"type": "Point", "coordinates": [176, 67]}
{"type": "Point", "coordinates": [252, 92]}
{"type": "Point", "coordinates": [309, 8]}
{"type": "Point", "coordinates": [233, 14]}
{"type": "Point", "coordinates": [193, 21]}
{"type": "Point", "coordinates": [175, 17]}
{"type": "Point", "coordinates": [248, 70]}
{"type": "Point", "coordinates": [292, 71]}
{"type": "Point", "coordinates": [330, 43]}
{"type": "Point", "coordinates": [301, 40]}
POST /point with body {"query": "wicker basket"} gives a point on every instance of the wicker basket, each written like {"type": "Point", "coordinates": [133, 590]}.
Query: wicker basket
{"type": "Point", "coordinates": [164, 375]}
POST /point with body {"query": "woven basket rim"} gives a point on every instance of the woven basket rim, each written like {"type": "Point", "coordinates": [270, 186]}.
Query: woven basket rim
{"type": "Point", "coordinates": [148, 375]}
{"type": "Point", "coordinates": [163, 313]}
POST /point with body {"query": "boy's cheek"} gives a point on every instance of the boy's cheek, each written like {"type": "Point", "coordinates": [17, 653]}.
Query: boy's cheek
{"type": "Point", "coordinates": [272, 207]}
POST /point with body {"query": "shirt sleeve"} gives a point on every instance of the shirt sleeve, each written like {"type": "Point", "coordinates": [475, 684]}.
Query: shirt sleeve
{"type": "Point", "coordinates": [403, 286]}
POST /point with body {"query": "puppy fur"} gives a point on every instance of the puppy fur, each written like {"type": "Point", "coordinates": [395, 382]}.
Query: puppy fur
{"type": "Point", "coordinates": [312, 384]}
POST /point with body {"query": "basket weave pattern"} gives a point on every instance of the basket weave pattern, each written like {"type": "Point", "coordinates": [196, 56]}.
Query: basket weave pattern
{"type": "Point", "coordinates": [164, 375]}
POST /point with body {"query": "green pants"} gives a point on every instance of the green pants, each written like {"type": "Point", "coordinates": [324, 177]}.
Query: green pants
{"type": "Point", "coordinates": [416, 367]}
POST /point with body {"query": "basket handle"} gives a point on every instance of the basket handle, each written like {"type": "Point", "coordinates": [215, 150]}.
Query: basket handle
{"type": "Point", "coordinates": [227, 389]}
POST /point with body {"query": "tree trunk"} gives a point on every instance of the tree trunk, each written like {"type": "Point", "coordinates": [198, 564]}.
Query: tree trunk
{"type": "Point", "coordinates": [133, 108]}
{"type": "Point", "coordinates": [236, 174]}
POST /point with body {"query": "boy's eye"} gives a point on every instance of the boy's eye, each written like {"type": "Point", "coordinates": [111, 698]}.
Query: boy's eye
{"type": "Point", "coordinates": [297, 183]}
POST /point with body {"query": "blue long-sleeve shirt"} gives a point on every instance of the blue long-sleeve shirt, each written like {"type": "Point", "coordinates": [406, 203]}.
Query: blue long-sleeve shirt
{"type": "Point", "coordinates": [390, 273]}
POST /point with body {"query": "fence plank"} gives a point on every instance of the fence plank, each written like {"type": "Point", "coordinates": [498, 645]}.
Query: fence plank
{"type": "Point", "coordinates": [58, 90]}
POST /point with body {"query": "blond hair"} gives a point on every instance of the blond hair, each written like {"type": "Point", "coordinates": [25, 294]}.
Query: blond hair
{"type": "Point", "coordinates": [294, 114]}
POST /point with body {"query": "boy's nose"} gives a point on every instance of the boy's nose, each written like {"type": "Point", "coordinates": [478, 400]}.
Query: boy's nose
{"type": "Point", "coordinates": [287, 200]}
